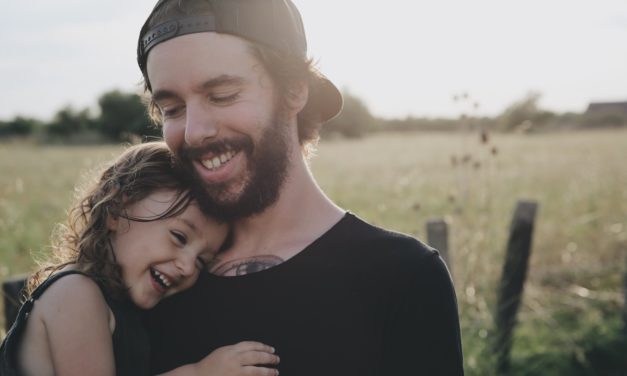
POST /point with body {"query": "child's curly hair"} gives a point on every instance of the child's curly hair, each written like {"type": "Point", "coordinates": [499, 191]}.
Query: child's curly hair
{"type": "Point", "coordinates": [84, 240]}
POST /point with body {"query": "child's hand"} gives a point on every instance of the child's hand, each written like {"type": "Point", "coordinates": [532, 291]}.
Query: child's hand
{"type": "Point", "coordinates": [242, 359]}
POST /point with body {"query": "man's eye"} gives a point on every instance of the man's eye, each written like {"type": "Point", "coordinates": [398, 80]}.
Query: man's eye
{"type": "Point", "coordinates": [180, 238]}
{"type": "Point", "coordinates": [171, 112]}
{"type": "Point", "coordinates": [225, 98]}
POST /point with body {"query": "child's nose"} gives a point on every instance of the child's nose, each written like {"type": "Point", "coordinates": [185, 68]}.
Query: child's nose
{"type": "Point", "coordinates": [186, 263]}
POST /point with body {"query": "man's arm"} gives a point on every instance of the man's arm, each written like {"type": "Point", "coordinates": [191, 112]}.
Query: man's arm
{"type": "Point", "coordinates": [424, 335]}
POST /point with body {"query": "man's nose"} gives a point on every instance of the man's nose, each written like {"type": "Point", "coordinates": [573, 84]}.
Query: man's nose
{"type": "Point", "coordinates": [200, 125]}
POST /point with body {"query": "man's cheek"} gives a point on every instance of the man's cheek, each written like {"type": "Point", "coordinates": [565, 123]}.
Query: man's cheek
{"type": "Point", "coordinates": [173, 137]}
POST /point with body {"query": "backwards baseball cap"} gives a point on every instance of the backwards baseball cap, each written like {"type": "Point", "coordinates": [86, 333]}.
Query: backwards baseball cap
{"type": "Point", "coordinates": [274, 23]}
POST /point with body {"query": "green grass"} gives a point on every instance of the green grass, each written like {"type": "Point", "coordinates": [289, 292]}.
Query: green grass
{"type": "Point", "coordinates": [36, 188]}
{"type": "Point", "coordinates": [573, 296]}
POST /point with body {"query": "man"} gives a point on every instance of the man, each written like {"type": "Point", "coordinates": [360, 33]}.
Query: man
{"type": "Point", "coordinates": [241, 104]}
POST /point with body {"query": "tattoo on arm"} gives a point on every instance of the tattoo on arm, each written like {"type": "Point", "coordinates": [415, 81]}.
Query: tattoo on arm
{"type": "Point", "coordinates": [244, 266]}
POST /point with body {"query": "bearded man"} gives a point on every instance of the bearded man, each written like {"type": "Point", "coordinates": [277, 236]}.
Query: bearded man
{"type": "Point", "coordinates": [241, 104]}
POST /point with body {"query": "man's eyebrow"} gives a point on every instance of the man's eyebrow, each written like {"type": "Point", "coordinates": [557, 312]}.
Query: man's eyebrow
{"type": "Point", "coordinates": [162, 95]}
{"type": "Point", "coordinates": [223, 79]}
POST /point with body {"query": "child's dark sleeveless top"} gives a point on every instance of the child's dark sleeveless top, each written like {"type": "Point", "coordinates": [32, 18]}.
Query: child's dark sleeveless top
{"type": "Point", "coordinates": [130, 341]}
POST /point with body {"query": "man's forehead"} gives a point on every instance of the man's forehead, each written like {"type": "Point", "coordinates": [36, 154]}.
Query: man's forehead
{"type": "Point", "coordinates": [217, 44]}
{"type": "Point", "coordinates": [201, 57]}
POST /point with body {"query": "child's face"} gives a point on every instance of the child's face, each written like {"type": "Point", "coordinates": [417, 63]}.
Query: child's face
{"type": "Point", "coordinates": [160, 258]}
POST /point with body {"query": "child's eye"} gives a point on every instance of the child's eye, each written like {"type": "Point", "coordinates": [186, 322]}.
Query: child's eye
{"type": "Point", "coordinates": [204, 262]}
{"type": "Point", "coordinates": [205, 259]}
{"type": "Point", "coordinates": [201, 263]}
{"type": "Point", "coordinates": [180, 238]}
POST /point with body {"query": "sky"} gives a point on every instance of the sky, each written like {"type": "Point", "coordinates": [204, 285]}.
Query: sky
{"type": "Point", "coordinates": [401, 57]}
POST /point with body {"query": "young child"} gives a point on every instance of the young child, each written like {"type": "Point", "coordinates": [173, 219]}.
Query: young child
{"type": "Point", "coordinates": [135, 237]}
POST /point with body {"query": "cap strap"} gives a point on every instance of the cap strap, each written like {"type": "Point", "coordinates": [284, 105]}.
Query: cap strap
{"type": "Point", "coordinates": [175, 28]}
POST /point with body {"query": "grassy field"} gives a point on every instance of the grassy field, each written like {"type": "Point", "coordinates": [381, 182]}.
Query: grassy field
{"type": "Point", "coordinates": [570, 317]}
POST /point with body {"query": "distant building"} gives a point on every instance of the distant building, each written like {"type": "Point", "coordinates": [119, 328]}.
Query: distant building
{"type": "Point", "coordinates": [607, 108]}
{"type": "Point", "coordinates": [606, 114]}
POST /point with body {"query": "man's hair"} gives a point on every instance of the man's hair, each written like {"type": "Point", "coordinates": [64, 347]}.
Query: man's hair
{"type": "Point", "coordinates": [285, 70]}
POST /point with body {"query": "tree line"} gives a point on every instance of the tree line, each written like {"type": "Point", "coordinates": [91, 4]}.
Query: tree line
{"type": "Point", "coordinates": [123, 117]}
{"type": "Point", "coordinates": [524, 116]}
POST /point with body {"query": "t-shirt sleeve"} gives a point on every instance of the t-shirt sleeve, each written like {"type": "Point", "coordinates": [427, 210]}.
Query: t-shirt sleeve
{"type": "Point", "coordinates": [423, 337]}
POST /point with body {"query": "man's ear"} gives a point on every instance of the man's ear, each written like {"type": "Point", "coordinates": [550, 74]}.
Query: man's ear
{"type": "Point", "coordinates": [112, 223]}
{"type": "Point", "coordinates": [296, 97]}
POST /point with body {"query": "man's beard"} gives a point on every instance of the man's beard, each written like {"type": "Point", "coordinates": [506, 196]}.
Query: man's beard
{"type": "Point", "coordinates": [266, 164]}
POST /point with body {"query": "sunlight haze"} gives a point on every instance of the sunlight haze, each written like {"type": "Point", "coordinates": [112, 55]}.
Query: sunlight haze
{"type": "Point", "coordinates": [402, 58]}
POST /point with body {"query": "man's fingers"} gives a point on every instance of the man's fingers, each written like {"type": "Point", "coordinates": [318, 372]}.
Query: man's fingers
{"type": "Point", "coordinates": [260, 371]}
{"type": "Point", "coordinates": [254, 346]}
{"type": "Point", "coordinates": [251, 358]}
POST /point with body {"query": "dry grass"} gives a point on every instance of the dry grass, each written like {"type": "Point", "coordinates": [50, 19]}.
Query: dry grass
{"type": "Point", "coordinates": [399, 181]}
{"type": "Point", "coordinates": [580, 240]}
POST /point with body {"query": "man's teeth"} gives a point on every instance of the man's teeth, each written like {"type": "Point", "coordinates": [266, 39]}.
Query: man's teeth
{"type": "Point", "coordinates": [217, 161]}
{"type": "Point", "coordinates": [161, 278]}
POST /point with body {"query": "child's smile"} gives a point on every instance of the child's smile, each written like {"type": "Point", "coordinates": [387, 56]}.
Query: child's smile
{"type": "Point", "coordinates": [163, 256]}
{"type": "Point", "coordinates": [162, 281]}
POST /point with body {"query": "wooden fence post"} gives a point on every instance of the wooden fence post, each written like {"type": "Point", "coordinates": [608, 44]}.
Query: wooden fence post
{"type": "Point", "coordinates": [437, 237]}
{"type": "Point", "coordinates": [512, 280]}
{"type": "Point", "coordinates": [625, 299]}
{"type": "Point", "coordinates": [12, 296]}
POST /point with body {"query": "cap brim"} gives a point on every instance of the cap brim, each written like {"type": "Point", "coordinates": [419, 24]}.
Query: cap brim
{"type": "Point", "coordinates": [324, 99]}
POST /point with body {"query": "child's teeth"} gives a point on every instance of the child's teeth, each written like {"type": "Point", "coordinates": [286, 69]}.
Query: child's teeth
{"type": "Point", "coordinates": [162, 278]}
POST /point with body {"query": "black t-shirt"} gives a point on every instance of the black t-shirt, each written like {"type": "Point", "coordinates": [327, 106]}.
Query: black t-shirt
{"type": "Point", "coordinates": [359, 300]}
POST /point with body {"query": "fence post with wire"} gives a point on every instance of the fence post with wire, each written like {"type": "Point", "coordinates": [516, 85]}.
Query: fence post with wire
{"type": "Point", "coordinates": [12, 294]}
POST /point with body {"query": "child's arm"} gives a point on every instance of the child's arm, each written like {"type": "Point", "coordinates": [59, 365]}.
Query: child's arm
{"type": "Point", "coordinates": [76, 318]}
{"type": "Point", "coordinates": [236, 360]}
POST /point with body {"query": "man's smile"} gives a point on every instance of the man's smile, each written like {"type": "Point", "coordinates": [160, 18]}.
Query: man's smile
{"type": "Point", "coordinates": [216, 169]}
{"type": "Point", "coordinates": [217, 161]}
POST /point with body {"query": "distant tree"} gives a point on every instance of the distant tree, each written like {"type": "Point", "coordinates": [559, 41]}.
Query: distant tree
{"type": "Point", "coordinates": [69, 121]}
{"type": "Point", "coordinates": [19, 126]}
{"type": "Point", "coordinates": [354, 120]}
{"type": "Point", "coordinates": [525, 114]}
{"type": "Point", "coordinates": [123, 115]}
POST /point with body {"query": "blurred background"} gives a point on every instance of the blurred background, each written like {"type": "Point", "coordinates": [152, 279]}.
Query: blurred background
{"type": "Point", "coordinates": [462, 109]}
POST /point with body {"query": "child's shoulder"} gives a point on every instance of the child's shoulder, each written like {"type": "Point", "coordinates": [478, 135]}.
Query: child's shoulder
{"type": "Point", "coordinates": [71, 294]}
{"type": "Point", "coordinates": [71, 287]}
{"type": "Point", "coordinates": [71, 316]}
